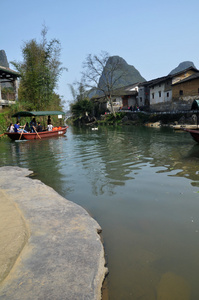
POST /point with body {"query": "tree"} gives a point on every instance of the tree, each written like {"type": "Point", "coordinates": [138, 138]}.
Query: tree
{"type": "Point", "coordinates": [82, 108]}
{"type": "Point", "coordinates": [102, 74]}
{"type": "Point", "coordinates": [40, 71]}
{"type": "Point", "coordinates": [78, 91]}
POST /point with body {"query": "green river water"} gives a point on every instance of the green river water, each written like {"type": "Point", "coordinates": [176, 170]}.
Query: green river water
{"type": "Point", "coordinates": [142, 186]}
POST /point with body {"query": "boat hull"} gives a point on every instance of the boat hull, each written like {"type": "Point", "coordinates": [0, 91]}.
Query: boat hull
{"type": "Point", "coordinates": [36, 136]}
{"type": "Point", "coordinates": [194, 134]}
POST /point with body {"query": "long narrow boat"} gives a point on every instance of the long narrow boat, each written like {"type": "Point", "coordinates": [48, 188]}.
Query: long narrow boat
{"type": "Point", "coordinates": [57, 131]}
{"type": "Point", "coordinates": [194, 134]}
{"type": "Point", "coordinates": [36, 135]}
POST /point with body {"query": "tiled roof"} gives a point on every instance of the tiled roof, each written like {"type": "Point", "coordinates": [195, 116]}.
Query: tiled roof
{"type": "Point", "coordinates": [191, 77]}
{"type": "Point", "coordinates": [8, 71]}
{"type": "Point", "coordinates": [170, 76]}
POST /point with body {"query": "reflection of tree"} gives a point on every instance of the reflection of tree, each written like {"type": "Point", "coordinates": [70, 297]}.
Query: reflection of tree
{"type": "Point", "coordinates": [106, 158]}
{"type": "Point", "coordinates": [42, 157]}
{"type": "Point", "coordinates": [112, 156]}
{"type": "Point", "coordinates": [109, 158]}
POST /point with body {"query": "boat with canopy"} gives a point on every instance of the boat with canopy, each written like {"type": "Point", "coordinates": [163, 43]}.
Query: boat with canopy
{"type": "Point", "coordinates": [57, 131]}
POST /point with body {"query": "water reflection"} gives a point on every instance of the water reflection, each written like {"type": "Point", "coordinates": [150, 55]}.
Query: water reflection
{"type": "Point", "coordinates": [141, 185]}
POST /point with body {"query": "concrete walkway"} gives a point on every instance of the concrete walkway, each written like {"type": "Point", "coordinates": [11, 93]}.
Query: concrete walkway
{"type": "Point", "coordinates": [49, 247]}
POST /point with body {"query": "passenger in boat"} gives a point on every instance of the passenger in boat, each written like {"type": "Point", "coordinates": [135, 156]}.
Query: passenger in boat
{"type": "Point", "coordinates": [17, 127]}
{"type": "Point", "coordinates": [39, 127]}
{"type": "Point", "coordinates": [50, 127]}
{"type": "Point", "coordinates": [11, 128]}
{"type": "Point", "coordinates": [27, 128]}
{"type": "Point", "coordinates": [33, 123]}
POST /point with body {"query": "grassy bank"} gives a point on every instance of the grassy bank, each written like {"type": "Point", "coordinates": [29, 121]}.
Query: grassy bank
{"type": "Point", "coordinates": [5, 120]}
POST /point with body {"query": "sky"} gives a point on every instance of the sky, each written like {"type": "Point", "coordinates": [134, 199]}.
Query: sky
{"type": "Point", "coordinates": [153, 36]}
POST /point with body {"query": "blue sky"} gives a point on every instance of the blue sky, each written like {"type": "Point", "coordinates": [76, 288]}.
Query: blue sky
{"type": "Point", "coordinates": [153, 36]}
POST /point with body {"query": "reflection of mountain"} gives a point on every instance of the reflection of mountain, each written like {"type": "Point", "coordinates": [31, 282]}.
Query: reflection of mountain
{"type": "Point", "coordinates": [104, 159]}
{"type": "Point", "coordinates": [111, 156]}
{"type": "Point", "coordinates": [115, 155]}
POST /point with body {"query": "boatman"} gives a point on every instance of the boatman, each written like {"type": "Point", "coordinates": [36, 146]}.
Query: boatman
{"type": "Point", "coordinates": [33, 123]}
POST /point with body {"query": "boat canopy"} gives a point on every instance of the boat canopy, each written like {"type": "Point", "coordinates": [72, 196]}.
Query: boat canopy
{"type": "Point", "coordinates": [37, 113]}
{"type": "Point", "coordinates": [195, 105]}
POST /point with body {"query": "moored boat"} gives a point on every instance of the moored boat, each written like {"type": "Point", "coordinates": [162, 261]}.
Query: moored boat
{"type": "Point", "coordinates": [194, 134]}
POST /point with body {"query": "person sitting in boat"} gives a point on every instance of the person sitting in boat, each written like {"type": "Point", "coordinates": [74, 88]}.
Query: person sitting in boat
{"type": "Point", "coordinates": [27, 128]}
{"type": "Point", "coordinates": [39, 127]}
{"type": "Point", "coordinates": [33, 124]}
{"type": "Point", "coordinates": [50, 127]}
{"type": "Point", "coordinates": [17, 127]}
{"type": "Point", "coordinates": [11, 128]}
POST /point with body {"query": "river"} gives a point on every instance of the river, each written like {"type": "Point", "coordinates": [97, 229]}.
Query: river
{"type": "Point", "coordinates": [142, 186]}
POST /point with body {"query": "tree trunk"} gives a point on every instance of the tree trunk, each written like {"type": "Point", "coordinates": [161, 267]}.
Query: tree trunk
{"type": "Point", "coordinates": [112, 109]}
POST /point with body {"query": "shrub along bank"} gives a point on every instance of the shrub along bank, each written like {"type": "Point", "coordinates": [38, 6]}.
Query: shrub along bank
{"type": "Point", "coordinates": [142, 118]}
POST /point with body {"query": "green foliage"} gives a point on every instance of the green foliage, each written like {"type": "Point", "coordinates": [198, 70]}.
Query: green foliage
{"type": "Point", "coordinates": [118, 116]}
{"type": "Point", "coordinates": [80, 108]}
{"type": "Point", "coordinates": [78, 91]}
{"type": "Point", "coordinates": [40, 71]}
{"type": "Point", "coordinates": [5, 120]}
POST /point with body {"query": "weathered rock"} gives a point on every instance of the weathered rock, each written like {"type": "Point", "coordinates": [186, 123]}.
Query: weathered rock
{"type": "Point", "coordinates": [13, 234]}
{"type": "Point", "coordinates": [64, 256]}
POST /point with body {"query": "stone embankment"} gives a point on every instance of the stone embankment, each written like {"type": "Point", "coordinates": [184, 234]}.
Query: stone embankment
{"type": "Point", "coordinates": [161, 118]}
{"type": "Point", "coordinates": [50, 247]}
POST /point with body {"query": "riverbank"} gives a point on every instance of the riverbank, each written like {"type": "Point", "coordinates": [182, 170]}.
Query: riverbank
{"type": "Point", "coordinates": [128, 117]}
{"type": "Point", "coordinates": [51, 247]}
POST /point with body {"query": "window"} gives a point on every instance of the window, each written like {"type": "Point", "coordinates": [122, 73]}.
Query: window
{"type": "Point", "coordinates": [140, 99]}
{"type": "Point", "coordinates": [159, 94]}
{"type": "Point", "coordinates": [152, 95]}
{"type": "Point", "coordinates": [167, 94]}
{"type": "Point", "coordinates": [181, 92]}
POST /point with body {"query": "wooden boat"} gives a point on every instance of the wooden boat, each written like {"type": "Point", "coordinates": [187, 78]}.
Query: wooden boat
{"type": "Point", "coordinates": [185, 126]}
{"type": "Point", "coordinates": [57, 131]}
{"type": "Point", "coordinates": [36, 135]}
{"type": "Point", "coordinates": [194, 134]}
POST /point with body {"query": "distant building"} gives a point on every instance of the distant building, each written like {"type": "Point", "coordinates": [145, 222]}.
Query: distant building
{"type": "Point", "coordinates": [186, 90]}
{"type": "Point", "coordinates": [164, 94]}
{"type": "Point", "coordinates": [8, 86]}
{"type": "Point", "coordinates": [126, 96]}
{"type": "Point", "coordinates": [173, 92]}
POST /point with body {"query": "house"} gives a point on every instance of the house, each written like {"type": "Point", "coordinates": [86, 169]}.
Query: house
{"type": "Point", "coordinates": [163, 94]}
{"type": "Point", "coordinates": [126, 96]}
{"type": "Point", "coordinates": [168, 93]}
{"type": "Point", "coordinates": [122, 97]}
{"type": "Point", "coordinates": [186, 91]}
{"type": "Point", "coordinates": [154, 92]}
{"type": "Point", "coordinates": [8, 86]}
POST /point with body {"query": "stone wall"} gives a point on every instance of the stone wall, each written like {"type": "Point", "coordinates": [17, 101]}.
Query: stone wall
{"type": "Point", "coordinates": [174, 105]}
